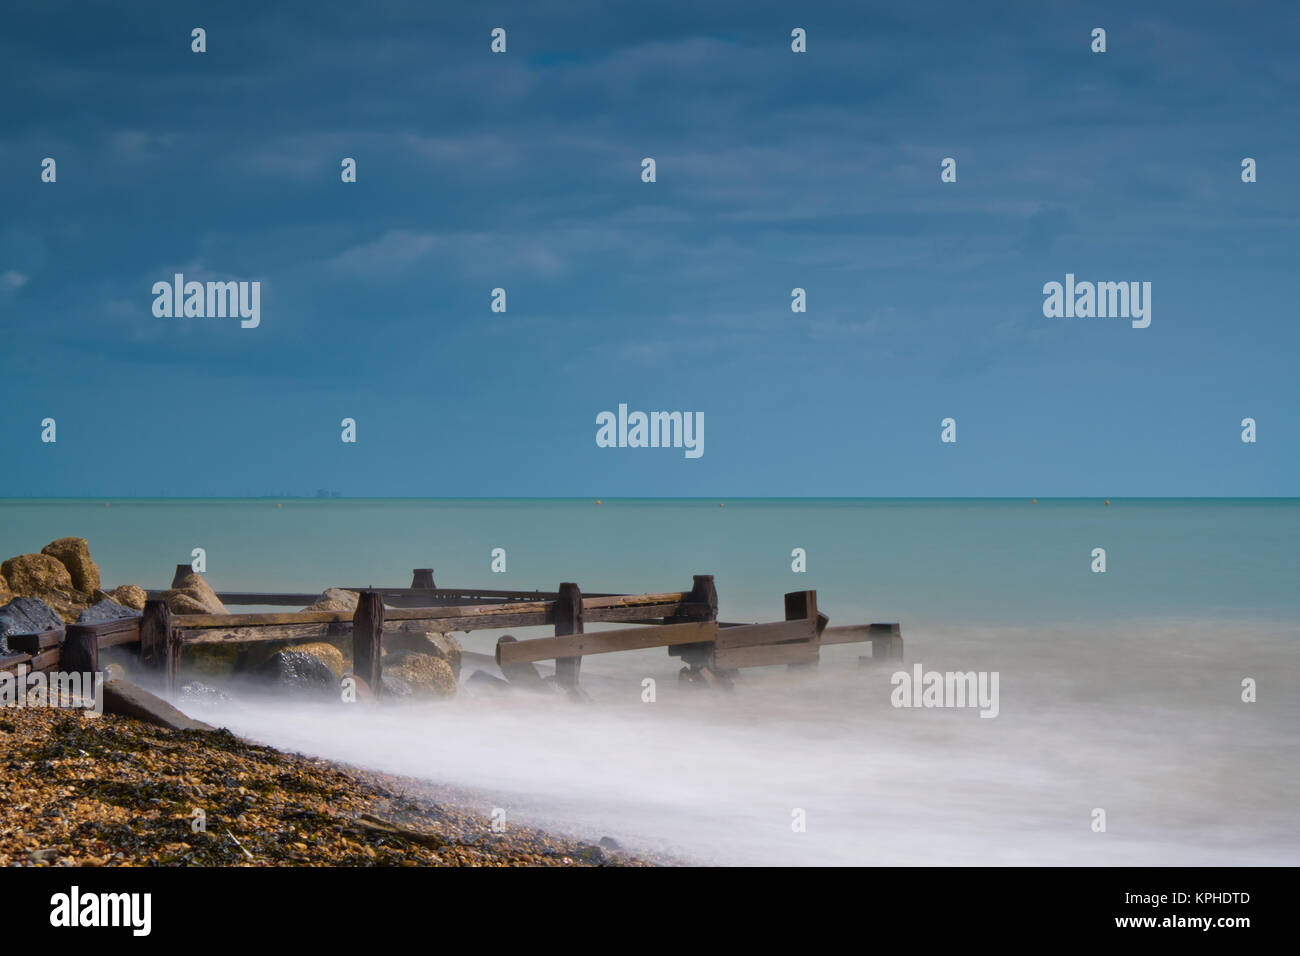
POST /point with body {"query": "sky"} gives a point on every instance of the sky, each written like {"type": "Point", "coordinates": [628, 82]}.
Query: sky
{"type": "Point", "coordinates": [775, 170]}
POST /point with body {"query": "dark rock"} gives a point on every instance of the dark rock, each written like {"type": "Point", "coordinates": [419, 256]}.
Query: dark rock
{"type": "Point", "coordinates": [396, 687]}
{"type": "Point", "coordinates": [299, 672]}
{"type": "Point", "coordinates": [106, 610]}
{"type": "Point", "coordinates": [124, 698]}
{"type": "Point", "coordinates": [26, 615]}
{"type": "Point", "coordinates": [590, 854]}
{"type": "Point", "coordinates": [482, 681]}
{"type": "Point", "coordinates": [609, 843]}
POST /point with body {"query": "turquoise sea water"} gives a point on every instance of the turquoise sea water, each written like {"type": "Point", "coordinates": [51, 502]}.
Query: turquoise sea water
{"type": "Point", "coordinates": [1121, 691]}
{"type": "Point", "coordinates": [992, 561]}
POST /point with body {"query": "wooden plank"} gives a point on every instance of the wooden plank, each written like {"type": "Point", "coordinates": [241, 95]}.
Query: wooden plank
{"type": "Point", "coordinates": [367, 641]}
{"type": "Point", "coordinates": [449, 615]}
{"type": "Point", "coordinates": [46, 660]}
{"type": "Point", "coordinates": [35, 643]}
{"type": "Point", "coordinates": [81, 649]}
{"type": "Point", "coordinates": [11, 662]}
{"type": "Point", "coordinates": [568, 621]}
{"type": "Point", "coordinates": [753, 635]}
{"type": "Point", "coordinates": [604, 642]}
{"type": "Point", "coordinates": [668, 613]}
{"type": "Point", "coordinates": [857, 633]}
{"type": "Point", "coordinates": [631, 600]}
{"type": "Point", "coordinates": [315, 632]}
{"type": "Point", "coordinates": [522, 673]}
{"type": "Point", "coordinates": [767, 654]}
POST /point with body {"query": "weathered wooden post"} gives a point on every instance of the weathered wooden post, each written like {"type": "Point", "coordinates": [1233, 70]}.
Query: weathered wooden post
{"type": "Point", "coordinates": [697, 657]}
{"type": "Point", "coordinates": [568, 620]}
{"type": "Point", "coordinates": [155, 626]}
{"type": "Point", "coordinates": [80, 650]}
{"type": "Point", "coordinates": [800, 606]}
{"type": "Point", "coordinates": [172, 667]}
{"type": "Point", "coordinates": [367, 641]}
{"type": "Point", "coordinates": [423, 578]}
{"type": "Point", "coordinates": [886, 642]}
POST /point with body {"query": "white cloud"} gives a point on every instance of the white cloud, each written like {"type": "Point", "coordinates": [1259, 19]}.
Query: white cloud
{"type": "Point", "coordinates": [13, 280]}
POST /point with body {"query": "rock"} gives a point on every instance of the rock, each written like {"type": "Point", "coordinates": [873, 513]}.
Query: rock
{"type": "Point", "coordinates": [45, 577]}
{"type": "Point", "coordinates": [591, 854]}
{"type": "Point", "coordinates": [335, 599]}
{"type": "Point", "coordinates": [328, 654]}
{"type": "Point", "coordinates": [446, 648]}
{"type": "Point", "coordinates": [6, 595]}
{"type": "Point", "coordinates": [204, 693]}
{"type": "Point", "coordinates": [74, 554]}
{"type": "Point", "coordinates": [396, 687]}
{"type": "Point", "coordinates": [194, 596]}
{"type": "Point", "coordinates": [125, 698]}
{"type": "Point", "coordinates": [26, 615]}
{"type": "Point", "coordinates": [428, 676]}
{"type": "Point", "coordinates": [301, 672]}
{"type": "Point", "coordinates": [128, 595]}
{"type": "Point", "coordinates": [106, 610]}
{"type": "Point", "coordinates": [609, 843]}
{"type": "Point", "coordinates": [211, 660]}
{"type": "Point", "coordinates": [256, 656]}
{"type": "Point", "coordinates": [114, 671]}
{"type": "Point", "coordinates": [442, 646]}
{"type": "Point", "coordinates": [486, 683]}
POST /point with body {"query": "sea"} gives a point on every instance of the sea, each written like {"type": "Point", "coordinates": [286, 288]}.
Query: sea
{"type": "Point", "coordinates": [1147, 655]}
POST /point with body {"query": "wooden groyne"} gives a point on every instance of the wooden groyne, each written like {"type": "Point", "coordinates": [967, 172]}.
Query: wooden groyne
{"type": "Point", "coordinates": [684, 622]}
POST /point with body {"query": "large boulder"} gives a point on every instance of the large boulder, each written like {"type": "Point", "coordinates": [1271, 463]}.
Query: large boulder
{"type": "Point", "coordinates": [428, 676]}
{"type": "Point", "coordinates": [74, 554]}
{"type": "Point", "coordinates": [300, 671]}
{"type": "Point", "coordinates": [335, 599]}
{"type": "Point", "coordinates": [211, 660]}
{"type": "Point", "coordinates": [128, 595]}
{"type": "Point", "coordinates": [45, 577]}
{"type": "Point", "coordinates": [125, 698]}
{"type": "Point", "coordinates": [442, 646]}
{"type": "Point", "coordinates": [193, 596]}
{"type": "Point", "coordinates": [6, 595]}
{"type": "Point", "coordinates": [336, 658]}
{"type": "Point", "coordinates": [26, 615]}
{"type": "Point", "coordinates": [106, 610]}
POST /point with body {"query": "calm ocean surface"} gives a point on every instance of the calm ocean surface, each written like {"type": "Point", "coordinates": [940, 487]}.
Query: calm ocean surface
{"type": "Point", "coordinates": [1119, 691]}
{"type": "Point", "coordinates": [986, 561]}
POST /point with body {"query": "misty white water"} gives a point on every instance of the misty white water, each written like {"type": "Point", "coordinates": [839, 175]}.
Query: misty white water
{"type": "Point", "coordinates": [1144, 721]}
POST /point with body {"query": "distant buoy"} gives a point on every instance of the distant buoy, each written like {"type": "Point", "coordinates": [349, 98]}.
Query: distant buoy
{"type": "Point", "coordinates": [1034, 500]}
{"type": "Point", "coordinates": [598, 501]}
{"type": "Point", "coordinates": [721, 505]}
{"type": "Point", "coordinates": [277, 504]}
{"type": "Point", "coordinates": [1107, 502]}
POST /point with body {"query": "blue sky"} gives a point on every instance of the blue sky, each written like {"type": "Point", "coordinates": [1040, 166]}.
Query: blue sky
{"type": "Point", "coordinates": [775, 171]}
